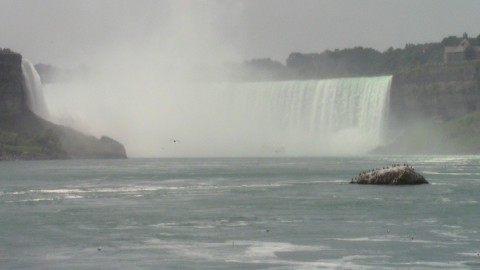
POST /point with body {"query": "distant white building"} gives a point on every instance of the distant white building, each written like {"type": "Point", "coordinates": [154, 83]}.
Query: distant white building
{"type": "Point", "coordinates": [464, 51]}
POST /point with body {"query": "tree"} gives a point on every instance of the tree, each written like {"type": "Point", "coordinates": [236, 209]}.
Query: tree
{"type": "Point", "coordinates": [470, 53]}
{"type": "Point", "coordinates": [451, 41]}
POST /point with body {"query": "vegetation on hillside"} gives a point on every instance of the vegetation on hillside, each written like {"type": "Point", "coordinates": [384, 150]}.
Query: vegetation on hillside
{"type": "Point", "coordinates": [357, 61]}
{"type": "Point", "coordinates": [42, 145]}
{"type": "Point", "coordinates": [350, 62]}
{"type": "Point", "coordinates": [6, 51]}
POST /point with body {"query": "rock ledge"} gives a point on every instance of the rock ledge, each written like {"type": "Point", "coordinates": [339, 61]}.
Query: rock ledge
{"type": "Point", "coordinates": [395, 175]}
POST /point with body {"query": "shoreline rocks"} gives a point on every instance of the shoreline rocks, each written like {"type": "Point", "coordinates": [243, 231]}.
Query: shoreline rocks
{"type": "Point", "coordinates": [394, 175]}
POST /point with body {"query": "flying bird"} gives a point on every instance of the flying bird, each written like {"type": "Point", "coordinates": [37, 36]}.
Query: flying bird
{"type": "Point", "coordinates": [174, 140]}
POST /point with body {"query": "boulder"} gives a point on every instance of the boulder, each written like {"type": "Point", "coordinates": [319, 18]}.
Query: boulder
{"type": "Point", "coordinates": [394, 175]}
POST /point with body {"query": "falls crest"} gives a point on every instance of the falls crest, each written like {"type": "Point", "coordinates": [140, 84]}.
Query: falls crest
{"type": "Point", "coordinates": [34, 89]}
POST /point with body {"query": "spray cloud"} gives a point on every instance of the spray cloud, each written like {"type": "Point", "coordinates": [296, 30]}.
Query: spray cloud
{"type": "Point", "coordinates": [150, 90]}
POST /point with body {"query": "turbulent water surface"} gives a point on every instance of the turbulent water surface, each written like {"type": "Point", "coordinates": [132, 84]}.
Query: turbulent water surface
{"type": "Point", "coordinates": [249, 213]}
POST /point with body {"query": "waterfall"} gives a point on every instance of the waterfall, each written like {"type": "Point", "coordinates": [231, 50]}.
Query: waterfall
{"type": "Point", "coordinates": [334, 116]}
{"type": "Point", "coordinates": [34, 89]}
{"type": "Point", "coordinates": [281, 118]}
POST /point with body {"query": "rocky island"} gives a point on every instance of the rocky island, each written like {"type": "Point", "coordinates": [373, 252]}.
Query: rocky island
{"type": "Point", "coordinates": [24, 135]}
{"type": "Point", "coordinates": [393, 175]}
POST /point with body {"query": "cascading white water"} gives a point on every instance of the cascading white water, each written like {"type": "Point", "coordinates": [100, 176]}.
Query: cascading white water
{"type": "Point", "coordinates": [34, 89]}
{"type": "Point", "coordinates": [294, 118]}
{"type": "Point", "coordinates": [335, 116]}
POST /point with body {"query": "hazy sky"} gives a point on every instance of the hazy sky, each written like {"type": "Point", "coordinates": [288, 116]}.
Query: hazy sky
{"type": "Point", "coordinates": [70, 32]}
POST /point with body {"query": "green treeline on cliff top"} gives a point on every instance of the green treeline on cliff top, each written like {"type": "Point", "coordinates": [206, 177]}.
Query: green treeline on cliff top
{"type": "Point", "coordinates": [350, 62]}
{"type": "Point", "coordinates": [358, 61]}
{"type": "Point", "coordinates": [6, 51]}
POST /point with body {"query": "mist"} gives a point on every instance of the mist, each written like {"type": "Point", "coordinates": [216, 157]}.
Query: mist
{"type": "Point", "coordinates": [142, 90]}
{"type": "Point", "coordinates": [153, 81]}
{"type": "Point", "coordinates": [165, 94]}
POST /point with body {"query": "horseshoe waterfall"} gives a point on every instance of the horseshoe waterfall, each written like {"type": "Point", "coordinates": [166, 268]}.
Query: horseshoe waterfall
{"type": "Point", "coordinates": [315, 117]}
{"type": "Point", "coordinates": [227, 119]}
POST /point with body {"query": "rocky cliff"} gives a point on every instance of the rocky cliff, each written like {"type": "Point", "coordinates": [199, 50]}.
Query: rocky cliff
{"type": "Point", "coordinates": [12, 96]}
{"type": "Point", "coordinates": [434, 94]}
{"type": "Point", "coordinates": [24, 135]}
{"type": "Point", "coordinates": [434, 109]}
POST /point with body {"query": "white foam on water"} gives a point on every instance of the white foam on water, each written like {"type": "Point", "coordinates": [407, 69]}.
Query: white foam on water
{"type": "Point", "coordinates": [469, 202]}
{"type": "Point", "coordinates": [433, 265]}
{"type": "Point", "coordinates": [238, 224]}
{"type": "Point", "coordinates": [16, 193]}
{"type": "Point", "coordinates": [443, 184]}
{"type": "Point", "coordinates": [430, 172]}
{"type": "Point", "coordinates": [59, 191]}
{"type": "Point", "coordinates": [124, 189]}
{"type": "Point", "coordinates": [445, 200]}
{"type": "Point", "coordinates": [240, 251]}
{"type": "Point", "coordinates": [450, 173]}
{"type": "Point", "coordinates": [203, 224]}
{"type": "Point", "coordinates": [165, 224]}
{"type": "Point", "coordinates": [272, 254]}
{"type": "Point", "coordinates": [73, 197]}
{"type": "Point", "coordinates": [139, 189]}
{"type": "Point", "coordinates": [336, 181]}
{"type": "Point", "coordinates": [45, 195]}
{"type": "Point", "coordinates": [33, 200]}
{"type": "Point", "coordinates": [257, 249]}
{"type": "Point", "coordinates": [470, 254]}
{"type": "Point", "coordinates": [450, 234]}
{"type": "Point", "coordinates": [261, 185]}
{"type": "Point", "coordinates": [429, 220]}
{"type": "Point", "coordinates": [385, 238]}
{"type": "Point", "coordinates": [368, 239]}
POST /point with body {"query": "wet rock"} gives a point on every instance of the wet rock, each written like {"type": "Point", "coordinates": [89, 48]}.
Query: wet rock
{"type": "Point", "coordinates": [394, 175]}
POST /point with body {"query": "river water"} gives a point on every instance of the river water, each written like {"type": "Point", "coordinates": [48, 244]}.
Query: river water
{"type": "Point", "coordinates": [245, 213]}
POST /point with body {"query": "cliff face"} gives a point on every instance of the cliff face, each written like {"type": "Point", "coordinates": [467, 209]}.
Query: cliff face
{"type": "Point", "coordinates": [24, 135]}
{"type": "Point", "coordinates": [12, 96]}
{"type": "Point", "coordinates": [435, 110]}
{"type": "Point", "coordinates": [434, 94]}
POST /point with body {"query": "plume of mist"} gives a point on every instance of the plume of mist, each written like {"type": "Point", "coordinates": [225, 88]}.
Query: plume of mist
{"type": "Point", "coordinates": [153, 93]}
{"type": "Point", "coordinates": [142, 90]}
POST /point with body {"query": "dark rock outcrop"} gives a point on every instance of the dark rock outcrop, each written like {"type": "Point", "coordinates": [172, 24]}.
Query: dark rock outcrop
{"type": "Point", "coordinates": [396, 175]}
{"type": "Point", "coordinates": [12, 96]}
